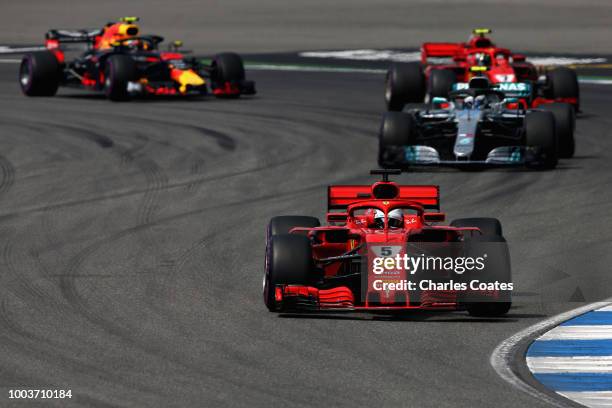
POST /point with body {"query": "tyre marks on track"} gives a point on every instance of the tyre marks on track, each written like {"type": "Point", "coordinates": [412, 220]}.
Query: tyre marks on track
{"type": "Point", "coordinates": [8, 174]}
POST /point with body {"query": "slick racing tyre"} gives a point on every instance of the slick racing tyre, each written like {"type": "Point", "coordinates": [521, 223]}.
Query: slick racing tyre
{"type": "Point", "coordinates": [492, 232]}
{"type": "Point", "coordinates": [227, 68]}
{"type": "Point", "coordinates": [404, 83]}
{"type": "Point", "coordinates": [284, 223]}
{"type": "Point", "coordinates": [396, 132]}
{"type": "Point", "coordinates": [488, 309]}
{"type": "Point", "coordinates": [441, 82]}
{"type": "Point", "coordinates": [540, 133]}
{"type": "Point", "coordinates": [39, 74]}
{"type": "Point", "coordinates": [563, 83]}
{"type": "Point", "coordinates": [288, 262]}
{"type": "Point", "coordinates": [497, 268]}
{"type": "Point", "coordinates": [488, 226]}
{"type": "Point", "coordinates": [565, 124]}
{"type": "Point", "coordinates": [118, 72]}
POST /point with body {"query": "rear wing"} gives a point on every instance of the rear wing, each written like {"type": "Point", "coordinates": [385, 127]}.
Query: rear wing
{"type": "Point", "coordinates": [440, 50]}
{"type": "Point", "coordinates": [510, 89]}
{"type": "Point", "coordinates": [55, 37]}
{"type": "Point", "coordinates": [340, 197]}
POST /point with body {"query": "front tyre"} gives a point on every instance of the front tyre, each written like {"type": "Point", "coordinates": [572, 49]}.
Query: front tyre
{"type": "Point", "coordinates": [118, 72]}
{"type": "Point", "coordinates": [488, 309]}
{"type": "Point", "coordinates": [397, 131]}
{"type": "Point", "coordinates": [288, 262]}
{"type": "Point", "coordinates": [565, 124]}
{"type": "Point", "coordinates": [492, 231]}
{"type": "Point", "coordinates": [497, 269]}
{"type": "Point", "coordinates": [227, 70]}
{"type": "Point", "coordinates": [540, 134]}
{"type": "Point", "coordinates": [39, 74]}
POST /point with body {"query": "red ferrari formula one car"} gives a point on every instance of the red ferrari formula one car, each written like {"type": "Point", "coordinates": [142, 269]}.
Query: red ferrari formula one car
{"type": "Point", "coordinates": [445, 66]}
{"type": "Point", "coordinates": [310, 267]}
{"type": "Point", "coordinates": [123, 63]}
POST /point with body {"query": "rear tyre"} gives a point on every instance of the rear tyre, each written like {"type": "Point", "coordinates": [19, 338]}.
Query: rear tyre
{"type": "Point", "coordinates": [565, 124]}
{"type": "Point", "coordinates": [563, 83]}
{"type": "Point", "coordinates": [488, 226]}
{"type": "Point", "coordinates": [540, 133]}
{"type": "Point", "coordinates": [39, 74]}
{"type": "Point", "coordinates": [396, 132]}
{"type": "Point", "coordinates": [404, 83]}
{"type": "Point", "coordinates": [441, 82]}
{"type": "Point", "coordinates": [288, 262]}
{"type": "Point", "coordinates": [118, 72]}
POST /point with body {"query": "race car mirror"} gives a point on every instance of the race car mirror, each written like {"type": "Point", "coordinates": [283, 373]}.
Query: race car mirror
{"type": "Point", "coordinates": [337, 217]}
{"type": "Point", "coordinates": [434, 217]}
{"type": "Point", "coordinates": [510, 100]}
{"type": "Point", "coordinates": [438, 100]}
{"type": "Point", "coordinates": [518, 58]}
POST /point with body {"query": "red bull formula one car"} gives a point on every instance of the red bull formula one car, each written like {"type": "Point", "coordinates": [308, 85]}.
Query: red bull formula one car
{"type": "Point", "coordinates": [443, 65]}
{"type": "Point", "coordinates": [310, 267]}
{"type": "Point", "coordinates": [122, 63]}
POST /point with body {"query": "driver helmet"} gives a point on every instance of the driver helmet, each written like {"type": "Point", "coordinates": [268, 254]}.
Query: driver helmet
{"type": "Point", "coordinates": [479, 101]}
{"type": "Point", "coordinates": [468, 102]}
{"type": "Point", "coordinates": [396, 219]}
{"type": "Point", "coordinates": [483, 59]}
{"type": "Point", "coordinates": [135, 44]}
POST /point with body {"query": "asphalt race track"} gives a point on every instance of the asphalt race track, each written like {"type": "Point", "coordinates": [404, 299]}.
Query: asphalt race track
{"type": "Point", "coordinates": [133, 237]}
{"type": "Point", "coordinates": [133, 240]}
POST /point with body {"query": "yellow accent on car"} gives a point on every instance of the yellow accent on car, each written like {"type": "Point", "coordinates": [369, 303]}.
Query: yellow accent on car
{"type": "Point", "coordinates": [129, 20]}
{"type": "Point", "coordinates": [482, 31]}
{"type": "Point", "coordinates": [478, 68]}
{"type": "Point", "coordinates": [128, 30]}
{"type": "Point", "coordinates": [188, 77]}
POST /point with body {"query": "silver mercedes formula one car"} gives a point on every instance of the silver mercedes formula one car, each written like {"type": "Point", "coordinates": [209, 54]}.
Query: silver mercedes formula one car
{"type": "Point", "coordinates": [477, 125]}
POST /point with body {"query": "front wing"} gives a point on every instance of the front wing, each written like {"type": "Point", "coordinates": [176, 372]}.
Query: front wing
{"type": "Point", "coordinates": [421, 155]}
{"type": "Point", "coordinates": [293, 298]}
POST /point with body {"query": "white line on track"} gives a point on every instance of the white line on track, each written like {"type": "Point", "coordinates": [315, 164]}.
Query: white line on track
{"type": "Point", "coordinates": [504, 355]}
{"type": "Point", "coordinates": [414, 56]}
{"type": "Point", "coordinates": [595, 332]}
{"type": "Point", "coordinates": [595, 81]}
{"type": "Point", "coordinates": [574, 364]}
{"type": "Point", "coordinates": [4, 49]}
{"type": "Point", "coordinates": [312, 68]}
